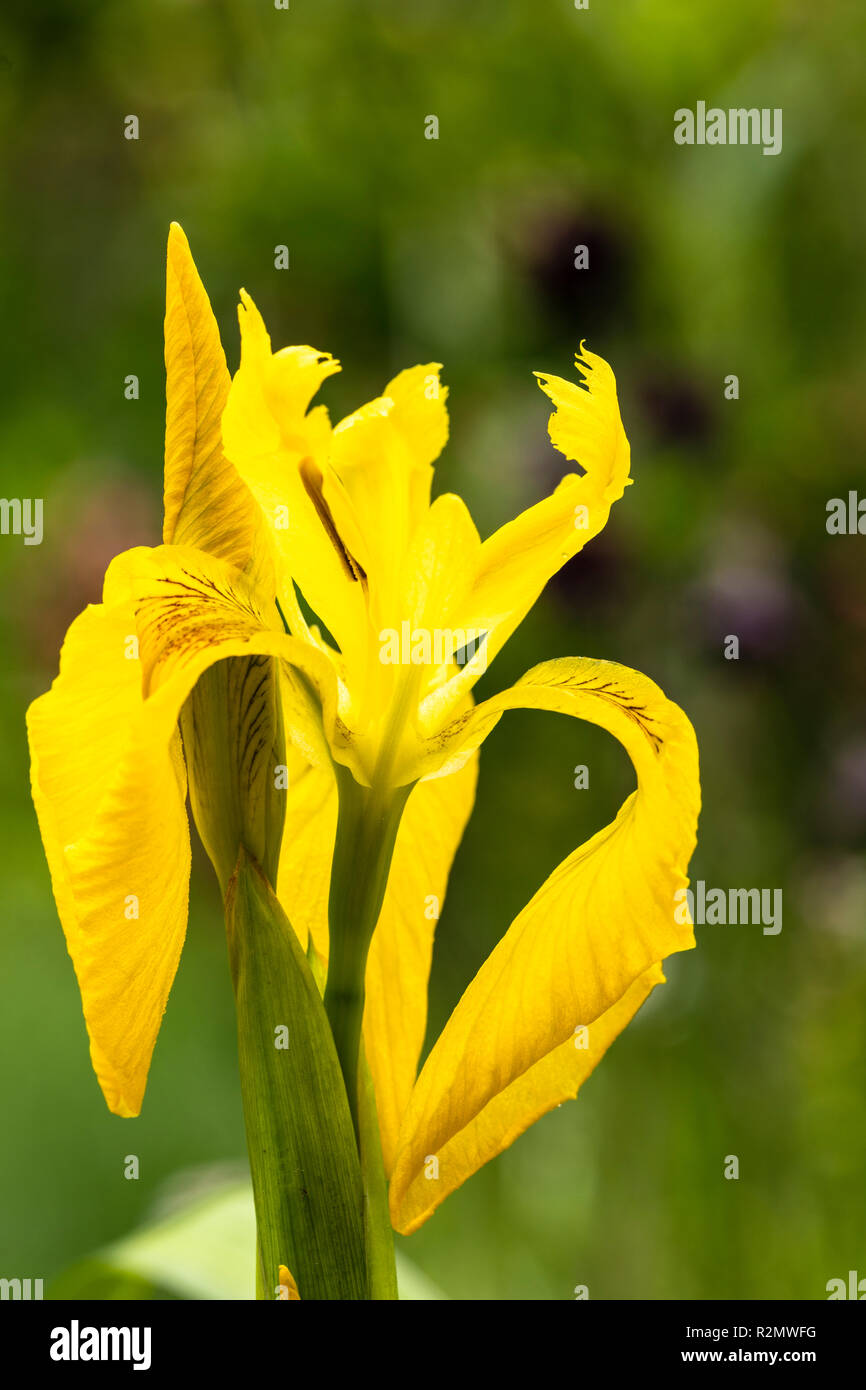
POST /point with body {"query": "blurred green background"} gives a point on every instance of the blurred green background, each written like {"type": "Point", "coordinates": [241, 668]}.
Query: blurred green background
{"type": "Point", "coordinates": [305, 127]}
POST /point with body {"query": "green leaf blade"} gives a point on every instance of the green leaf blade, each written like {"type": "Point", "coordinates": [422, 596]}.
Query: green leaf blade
{"type": "Point", "coordinates": [303, 1153]}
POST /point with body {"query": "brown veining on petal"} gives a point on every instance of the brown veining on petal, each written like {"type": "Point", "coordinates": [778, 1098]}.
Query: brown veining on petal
{"type": "Point", "coordinates": [186, 617]}
{"type": "Point", "coordinates": [311, 477]}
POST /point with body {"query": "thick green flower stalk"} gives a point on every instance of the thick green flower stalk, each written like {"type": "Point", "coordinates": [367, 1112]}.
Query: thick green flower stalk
{"type": "Point", "coordinates": [300, 653]}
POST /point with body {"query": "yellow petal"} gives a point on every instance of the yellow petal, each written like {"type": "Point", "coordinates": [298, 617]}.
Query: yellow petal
{"type": "Point", "coordinates": [109, 790]}
{"type": "Point", "coordinates": [556, 1078]}
{"type": "Point", "coordinates": [379, 489]}
{"type": "Point", "coordinates": [437, 573]}
{"type": "Point", "coordinates": [288, 1287]}
{"type": "Point", "coordinates": [441, 564]}
{"type": "Point", "coordinates": [420, 415]}
{"type": "Point", "coordinates": [307, 850]}
{"type": "Point", "coordinates": [571, 958]}
{"type": "Point", "coordinates": [206, 503]}
{"type": "Point", "coordinates": [517, 560]}
{"type": "Point", "coordinates": [192, 610]}
{"type": "Point", "coordinates": [587, 428]}
{"type": "Point", "coordinates": [398, 966]}
{"type": "Point", "coordinates": [279, 449]}
{"type": "Point", "coordinates": [109, 782]}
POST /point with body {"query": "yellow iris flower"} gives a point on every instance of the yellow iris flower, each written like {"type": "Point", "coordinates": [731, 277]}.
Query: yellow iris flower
{"type": "Point", "coordinates": [272, 515]}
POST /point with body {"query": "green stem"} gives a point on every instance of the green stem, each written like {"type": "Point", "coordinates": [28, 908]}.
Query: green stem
{"type": "Point", "coordinates": [367, 824]}
{"type": "Point", "coordinates": [378, 1235]}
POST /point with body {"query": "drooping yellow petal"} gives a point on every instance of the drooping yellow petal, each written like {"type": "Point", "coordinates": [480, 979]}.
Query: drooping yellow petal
{"type": "Point", "coordinates": [109, 791]}
{"type": "Point", "coordinates": [398, 965]}
{"type": "Point", "coordinates": [109, 782]}
{"type": "Point", "coordinates": [192, 610]}
{"type": "Point", "coordinates": [517, 560]}
{"type": "Point", "coordinates": [556, 1078]}
{"type": "Point", "coordinates": [571, 958]}
{"type": "Point", "coordinates": [279, 449]}
{"type": "Point", "coordinates": [206, 503]}
{"type": "Point", "coordinates": [308, 849]}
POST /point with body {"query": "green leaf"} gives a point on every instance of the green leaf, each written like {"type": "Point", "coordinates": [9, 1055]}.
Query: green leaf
{"type": "Point", "coordinates": [303, 1154]}
{"type": "Point", "coordinates": [415, 1287]}
{"type": "Point", "coordinates": [204, 1249]}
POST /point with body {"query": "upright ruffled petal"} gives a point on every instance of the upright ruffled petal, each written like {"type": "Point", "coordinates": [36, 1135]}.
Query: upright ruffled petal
{"type": "Point", "coordinates": [582, 954]}
{"type": "Point", "coordinates": [417, 654]}
{"type": "Point", "coordinates": [378, 487]}
{"type": "Point", "coordinates": [279, 449]}
{"type": "Point", "coordinates": [517, 560]}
